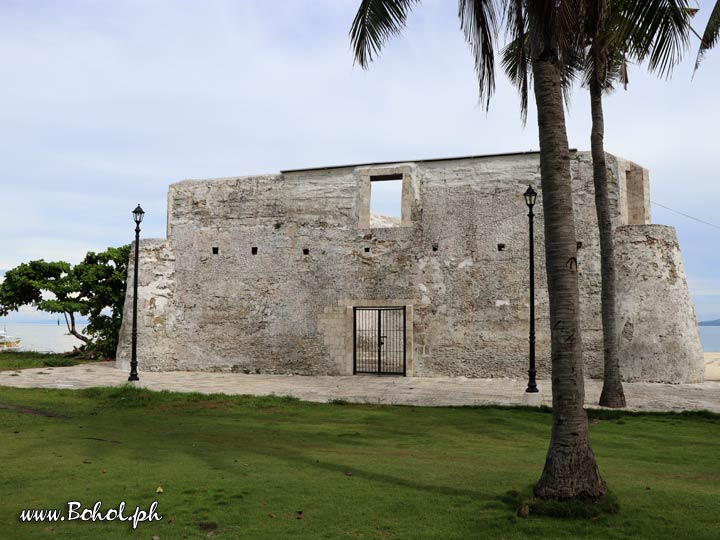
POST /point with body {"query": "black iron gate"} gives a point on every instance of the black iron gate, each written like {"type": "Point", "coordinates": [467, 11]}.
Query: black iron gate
{"type": "Point", "coordinates": [379, 340]}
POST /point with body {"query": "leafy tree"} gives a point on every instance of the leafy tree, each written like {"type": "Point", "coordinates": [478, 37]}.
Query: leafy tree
{"type": "Point", "coordinates": [25, 285]}
{"type": "Point", "coordinates": [554, 35]}
{"type": "Point", "coordinates": [102, 279]}
{"type": "Point", "coordinates": [94, 288]}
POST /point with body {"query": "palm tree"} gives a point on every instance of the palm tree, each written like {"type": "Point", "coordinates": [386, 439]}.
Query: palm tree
{"type": "Point", "coordinates": [615, 30]}
{"type": "Point", "coordinates": [711, 34]}
{"type": "Point", "coordinates": [553, 30]}
{"type": "Point", "coordinates": [602, 68]}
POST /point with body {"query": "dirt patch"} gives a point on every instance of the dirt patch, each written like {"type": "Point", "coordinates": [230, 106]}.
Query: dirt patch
{"type": "Point", "coordinates": [207, 525]}
{"type": "Point", "coordinates": [30, 410]}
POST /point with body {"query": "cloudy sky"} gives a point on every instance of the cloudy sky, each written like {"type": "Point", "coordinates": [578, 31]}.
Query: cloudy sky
{"type": "Point", "coordinates": [105, 103]}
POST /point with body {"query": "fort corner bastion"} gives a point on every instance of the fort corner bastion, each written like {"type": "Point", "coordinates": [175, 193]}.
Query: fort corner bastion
{"type": "Point", "coordinates": [292, 273]}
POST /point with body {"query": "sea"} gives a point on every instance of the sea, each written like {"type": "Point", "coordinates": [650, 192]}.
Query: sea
{"type": "Point", "coordinates": [54, 338]}
{"type": "Point", "coordinates": [710, 338]}
{"type": "Point", "coordinates": [43, 337]}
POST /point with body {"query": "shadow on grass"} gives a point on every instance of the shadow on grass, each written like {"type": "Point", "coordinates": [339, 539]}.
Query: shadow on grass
{"type": "Point", "coordinates": [297, 457]}
{"type": "Point", "coordinates": [128, 396]}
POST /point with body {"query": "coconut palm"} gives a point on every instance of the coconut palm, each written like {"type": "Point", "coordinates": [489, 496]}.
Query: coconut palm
{"type": "Point", "coordinates": [711, 35]}
{"type": "Point", "coordinates": [553, 28]}
{"type": "Point", "coordinates": [618, 30]}
{"type": "Point", "coordinates": [614, 32]}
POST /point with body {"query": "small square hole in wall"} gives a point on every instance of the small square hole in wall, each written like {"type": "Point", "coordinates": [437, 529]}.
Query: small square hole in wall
{"type": "Point", "coordinates": [306, 251]}
{"type": "Point", "coordinates": [216, 250]}
{"type": "Point", "coordinates": [501, 247]}
{"type": "Point", "coordinates": [435, 246]}
{"type": "Point", "coordinates": [253, 250]}
{"type": "Point", "coordinates": [367, 250]}
{"type": "Point", "coordinates": [579, 245]}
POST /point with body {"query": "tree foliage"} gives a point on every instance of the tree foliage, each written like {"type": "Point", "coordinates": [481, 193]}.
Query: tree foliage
{"type": "Point", "coordinates": [94, 288]}
{"type": "Point", "coordinates": [102, 278]}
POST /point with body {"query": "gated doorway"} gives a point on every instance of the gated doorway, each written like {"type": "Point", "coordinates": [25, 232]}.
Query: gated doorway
{"type": "Point", "coordinates": [379, 340]}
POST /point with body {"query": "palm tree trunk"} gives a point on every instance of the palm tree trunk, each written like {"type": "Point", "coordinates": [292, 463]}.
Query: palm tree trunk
{"type": "Point", "coordinates": [612, 392]}
{"type": "Point", "coordinates": [570, 470]}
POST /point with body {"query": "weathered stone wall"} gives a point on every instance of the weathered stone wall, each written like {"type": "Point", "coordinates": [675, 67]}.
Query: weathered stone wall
{"type": "Point", "coordinates": [261, 305]}
{"type": "Point", "coordinates": [659, 338]}
{"type": "Point", "coordinates": [156, 313]}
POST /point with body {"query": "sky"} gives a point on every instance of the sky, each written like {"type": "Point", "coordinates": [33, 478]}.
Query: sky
{"type": "Point", "coordinates": [103, 104]}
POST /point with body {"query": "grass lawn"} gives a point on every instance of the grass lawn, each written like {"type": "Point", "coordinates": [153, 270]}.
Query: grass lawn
{"type": "Point", "coordinates": [27, 359]}
{"type": "Point", "coordinates": [276, 468]}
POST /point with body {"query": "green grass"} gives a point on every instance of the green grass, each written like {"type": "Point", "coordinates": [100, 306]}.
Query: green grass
{"type": "Point", "coordinates": [29, 359]}
{"type": "Point", "coordinates": [244, 467]}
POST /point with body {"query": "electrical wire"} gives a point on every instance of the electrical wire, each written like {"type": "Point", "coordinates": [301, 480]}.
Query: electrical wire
{"type": "Point", "coordinates": [686, 215]}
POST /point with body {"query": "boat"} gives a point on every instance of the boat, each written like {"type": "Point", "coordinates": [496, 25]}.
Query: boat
{"type": "Point", "coordinates": [8, 343]}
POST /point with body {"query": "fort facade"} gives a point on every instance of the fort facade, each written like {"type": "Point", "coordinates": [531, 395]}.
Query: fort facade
{"type": "Point", "coordinates": [292, 273]}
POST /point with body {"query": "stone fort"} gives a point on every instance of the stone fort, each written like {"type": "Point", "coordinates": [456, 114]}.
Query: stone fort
{"type": "Point", "coordinates": [292, 273]}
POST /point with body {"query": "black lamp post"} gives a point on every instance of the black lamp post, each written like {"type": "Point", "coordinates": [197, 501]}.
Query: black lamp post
{"type": "Point", "coordinates": [530, 197]}
{"type": "Point", "coordinates": [138, 215]}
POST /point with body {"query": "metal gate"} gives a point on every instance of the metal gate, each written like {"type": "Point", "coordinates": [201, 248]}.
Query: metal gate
{"type": "Point", "coordinates": [379, 340]}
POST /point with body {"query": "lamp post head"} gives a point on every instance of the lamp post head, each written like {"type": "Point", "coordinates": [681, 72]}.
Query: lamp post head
{"type": "Point", "coordinates": [138, 215]}
{"type": "Point", "coordinates": [530, 197]}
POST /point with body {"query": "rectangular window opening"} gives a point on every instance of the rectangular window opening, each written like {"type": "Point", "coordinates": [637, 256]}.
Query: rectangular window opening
{"type": "Point", "coordinates": [216, 250]}
{"type": "Point", "coordinates": [253, 250]}
{"type": "Point", "coordinates": [435, 246]}
{"type": "Point", "coordinates": [306, 251]}
{"type": "Point", "coordinates": [386, 200]}
{"type": "Point", "coordinates": [501, 247]}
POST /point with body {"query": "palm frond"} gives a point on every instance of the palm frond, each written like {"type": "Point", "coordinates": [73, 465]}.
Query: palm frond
{"type": "Point", "coordinates": [657, 31]}
{"type": "Point", "coordinates": [479, 22]}
{"type": "Point", "coordinates": [711, 35]}
{"type": "Point", "coordinates": [556, 26]}
{"type": "Point", "coordinates": [516, 53]}
{"type": "Point", "coordinates": [514, 63]}
{"type": "Point", "coordinates": [605, 70]}
{"type": "Point", "coordinates": [571, 65]}
{"type": "Point", "coordinates": [553, 28]}
{"type": "Point", "coordinates": [375, 22]}
{"type": "Point", "coordinates": [623, 73]}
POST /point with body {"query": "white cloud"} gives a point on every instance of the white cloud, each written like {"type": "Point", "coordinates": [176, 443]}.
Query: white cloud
{"type": "Point", "coordinates": [104, 104]}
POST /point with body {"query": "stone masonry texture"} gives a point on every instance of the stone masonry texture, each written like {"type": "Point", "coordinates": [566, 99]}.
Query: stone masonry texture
{"type": "Point", "coordinates": [260, 274]}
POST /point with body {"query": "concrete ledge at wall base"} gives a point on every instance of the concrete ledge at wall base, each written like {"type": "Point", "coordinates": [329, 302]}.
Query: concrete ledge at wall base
{"type": "Point", "coordinates": [658, 338]}
{"type": "Point", "coordinates": [533, 399]}
{"type": "Point", "coordinates": [420, 391]}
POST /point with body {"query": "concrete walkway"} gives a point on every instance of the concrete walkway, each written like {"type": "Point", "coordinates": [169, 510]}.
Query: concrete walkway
{"type": "Point", "coordinates": [436, 391]}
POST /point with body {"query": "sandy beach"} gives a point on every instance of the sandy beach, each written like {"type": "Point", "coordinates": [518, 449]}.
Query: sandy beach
{"type": "Point", "coordinates": [712, 366]}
